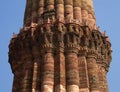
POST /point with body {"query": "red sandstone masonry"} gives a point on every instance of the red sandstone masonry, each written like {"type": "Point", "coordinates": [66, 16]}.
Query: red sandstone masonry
{"type": "Point", "coordinates": [59, 49]}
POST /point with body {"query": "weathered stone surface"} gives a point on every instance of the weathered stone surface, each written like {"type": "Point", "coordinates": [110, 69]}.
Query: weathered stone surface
{"type": "Point", "coordinates": [60, 49]}
{"type": "Point", "coordinates": [60, 11]}
{"type": "Point", "coordinates": [60, 88]}
{"type": "Point", "coordinates": [73, 88]}
{"type": "Point", "coordinates": [83, 73]}
{"type": "Point", "coordinates": [68, 12]}
{"type": "Point", "coordinates": [68, 2]}
{"type": "Point", "coordinates": [59, 1]}
{"type": "Point", "coordinates": [77, 13]}
{"type": "Point", "coordinates": [93, 73]}
{"type": "Point", "coordinates": [84, 90]}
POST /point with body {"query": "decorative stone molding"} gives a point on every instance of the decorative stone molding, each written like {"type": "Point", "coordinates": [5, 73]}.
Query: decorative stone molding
{"type": "Point", "coordinates": [60, 49]}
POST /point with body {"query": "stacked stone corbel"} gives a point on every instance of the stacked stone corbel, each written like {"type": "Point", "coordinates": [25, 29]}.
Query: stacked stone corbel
{"type": "Point", "coordinates": [58, 51]}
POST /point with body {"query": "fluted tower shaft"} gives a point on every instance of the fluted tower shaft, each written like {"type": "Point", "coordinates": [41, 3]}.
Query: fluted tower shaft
{"type": "Point", "coordinates": [79, 11]}
{"type": "Point", "coordinates": [60, 49]}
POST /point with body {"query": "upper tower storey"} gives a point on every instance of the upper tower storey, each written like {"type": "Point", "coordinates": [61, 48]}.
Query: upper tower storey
{"type": "Point", "coordinates": [78, 11]}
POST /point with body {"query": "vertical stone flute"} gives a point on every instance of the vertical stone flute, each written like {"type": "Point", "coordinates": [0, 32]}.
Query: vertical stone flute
{"type": "Point", "coordinates": [68, 10]}
{"type": "Point", "coordinates": [59, 6]}
{"type": "Point", "coordinates": [27, 16]}
{"type": "Point", "coordinates": [83, 72]}
{"type": "Point", "coordinates": [47, 84]}
{"type": "Point", "coordinates": [93, 71]}
{"type": "Point", "coordinates": [71, 59]}
{"type": "Point", "coordinates": [77, 10]}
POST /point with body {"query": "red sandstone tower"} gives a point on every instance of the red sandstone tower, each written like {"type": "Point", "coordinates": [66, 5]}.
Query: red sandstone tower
{"type": "Point", "coordinates": [60, 49]}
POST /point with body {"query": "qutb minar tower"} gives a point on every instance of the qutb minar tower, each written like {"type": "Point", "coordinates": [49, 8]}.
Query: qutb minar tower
{"type": "Point", "coordinates": [60, 49]}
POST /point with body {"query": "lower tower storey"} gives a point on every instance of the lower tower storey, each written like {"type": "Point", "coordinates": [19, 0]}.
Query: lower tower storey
{"type": "Point", "coordinates": [59, 58]}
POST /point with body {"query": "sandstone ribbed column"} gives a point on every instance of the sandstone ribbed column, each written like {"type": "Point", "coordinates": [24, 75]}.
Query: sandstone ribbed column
{"type": "Point", "coordinates": [36, 70]}
{"type": "Point", "coordinates": [68, 10]}
{"type": "Point", "coordinates": [84, 12]}
{"type": "Point", "coordinates": [91, 15]}
{"type": "Point", "coordinates": [77, 10]}
{"type": "Point", "coordinates": [60, 76]}
{"type": "Point", "coordinates": [103, 69]}
{"type": "Point", "coordinates": [59, 6]}
{"type": "Point", "coordinates": [71, 61]}
{"type": "Point", "coordinates": [60, 79]}
{"type": "Point", "coordinates": [91, 21]}
{"type": "Point", "coordinates": [17, 73]}
{"type": "Point", "coordinates": [40, 7]}
{"type": "Point", "coordinates": [93, 72]}
{"type": "Point", "coordinates": [27, 65]}
{"type": "Point", "coordinates": [48, 73]}
{"type": "Point", "coordinates": [15, 84]}
{"type": "Point", "coordinates": [47, 84]}
{"type": "Point", "coordinates": [83, 72]}
{"type": "Point", "coordinates": [72, 73]}
{"type": "Point", "coordinates": [105, 81]}
{"type": "Point", "coordinates": [102, 79]}
{"type": "Point", "coordinates": [26, 76]}
{"type": "Point", "coordinates": [34, 13]}
{"type": "Point", "coordinates": [36, 77]}
{"type": "Point", "coordinates": [49, 4]}
{"type": "Point", "coordinates": [16, 62]}
{"type": "Point", "coordinates": [27, 16]}
{"type": "Point", "coordinates": [90, 3]}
